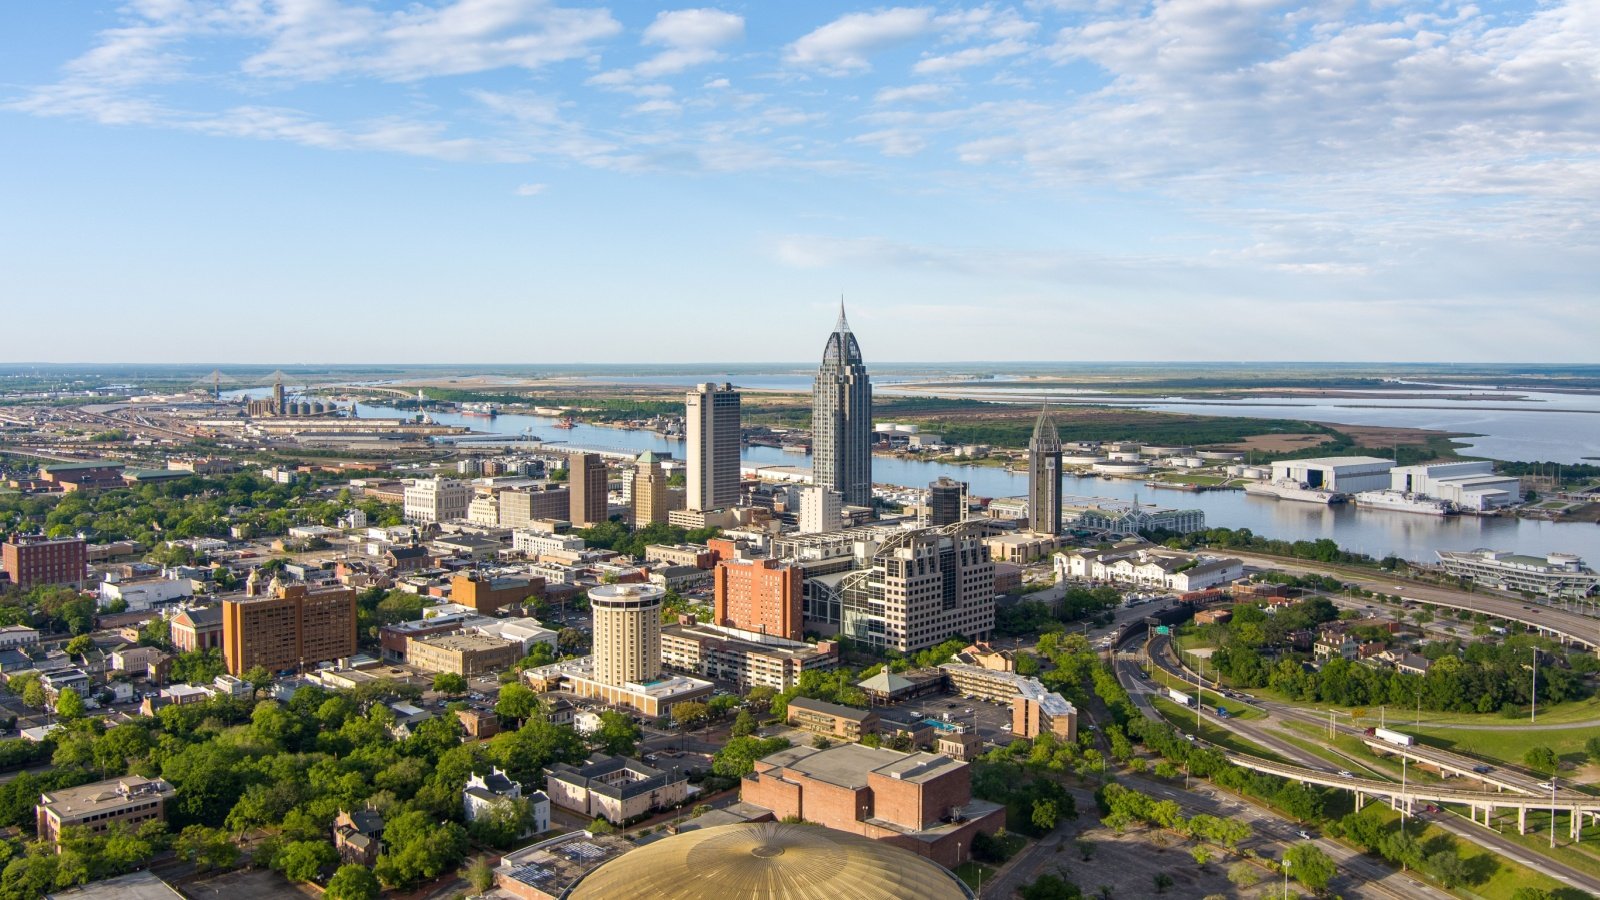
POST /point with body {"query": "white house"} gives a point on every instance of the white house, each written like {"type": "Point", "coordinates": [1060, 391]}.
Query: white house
{"type": "Point", "coordinates": [483, 793]}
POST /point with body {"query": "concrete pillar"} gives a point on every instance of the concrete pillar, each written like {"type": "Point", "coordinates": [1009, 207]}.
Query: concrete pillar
{"type": "Point", "coordinates": [1361, 800]}
{"type": "Point", "coordinates": [1522, 820]}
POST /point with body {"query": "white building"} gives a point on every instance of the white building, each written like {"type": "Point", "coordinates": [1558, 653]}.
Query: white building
{"type": "Point", "coordinates": [145, 593]}
{"type": "Point", "coordinates": [534, 543]}
{"type": "Point", "coordinates": [430, 500]}
{"type": "Point", "coordinates": [821, 510]}
{"type": "Point", "coordinates": [1149, 567]}
{"type": "Point", "coordinates": [483, 793]}
{"type": "Point", "coordinates": [484, 510]}
{"type": "Point", "coordinates": [1469, 484]}
{"type": "Point", "coordinates": [18, 636]}
{"type": "Point", "coordinates": [1555, 575]}
{"type": "Point", "coordinates": [1344, 474]}
{"type": "Point", "coordinates": [526, 631]}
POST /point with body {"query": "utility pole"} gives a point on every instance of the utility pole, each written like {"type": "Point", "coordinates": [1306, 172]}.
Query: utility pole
{"type": "Point", "coordinates": [1553, 812]}
{"type": "Point", "coordinates": [1533, 711]}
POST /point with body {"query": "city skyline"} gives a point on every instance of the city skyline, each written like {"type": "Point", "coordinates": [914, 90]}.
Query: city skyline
{"type": "Point", "coordinates": [199, 175]}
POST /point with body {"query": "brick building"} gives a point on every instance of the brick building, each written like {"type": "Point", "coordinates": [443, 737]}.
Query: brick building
{"type": "Point", "coordinates": [761, 595]}
{"type": "Point", "coordinates": [197, 629]}
{"type": "Point", "coordinates": [30, 560]}
{"type": "Point", "coordinates": [130, 800]}
{"type": "Point", "coordinates": [464, 654]}
{"type": "Point", "coordinates": [290, 627]}
{"type": "Point", "coordinates": [490, 595]}
{"type": "Point", "coordinates": [920, 801]}
{"type": "Point", "coordinates": [95, 476]}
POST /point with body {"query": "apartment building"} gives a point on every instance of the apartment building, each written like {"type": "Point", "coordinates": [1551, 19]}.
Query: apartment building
{"type": "Point", "coordinates": [289, 627]}
{"type": "Point", "coordinates": [742, 657]}
{"type": "Point", "coordinates": [760, 595]}
{"type": "Point", "coordinates": [30, 560]}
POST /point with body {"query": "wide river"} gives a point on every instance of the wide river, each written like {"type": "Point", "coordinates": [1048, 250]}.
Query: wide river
{"type": "Point", "coordinates": [1374, 532]}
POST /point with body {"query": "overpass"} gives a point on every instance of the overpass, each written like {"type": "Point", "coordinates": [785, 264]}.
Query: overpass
{"type": "Point", "coordinates": [1576, 805]}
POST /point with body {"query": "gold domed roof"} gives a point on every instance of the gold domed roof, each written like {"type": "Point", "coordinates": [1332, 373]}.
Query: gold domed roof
{"type": "Point", "coordinates": [770, 861]}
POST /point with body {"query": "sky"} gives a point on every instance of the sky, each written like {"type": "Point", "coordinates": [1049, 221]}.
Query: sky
{"type": "Point", "coordinates": [519, 181]}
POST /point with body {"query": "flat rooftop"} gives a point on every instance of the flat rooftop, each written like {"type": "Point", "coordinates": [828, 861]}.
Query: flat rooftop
{"type": "Point", "coordinates": [464, 643]}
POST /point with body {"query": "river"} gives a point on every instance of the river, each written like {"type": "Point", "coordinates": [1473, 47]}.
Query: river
{"type": "Point", "coordinates": [1375, 532]}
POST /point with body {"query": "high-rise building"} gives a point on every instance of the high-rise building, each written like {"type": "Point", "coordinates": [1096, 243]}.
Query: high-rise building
{"type": "Point", "coordinates": [30, 559]}
{"type": "Point", "coordinates": [820, 509]}
{"type": "Point", "coordinates": [947, 501]}
{"type": "Point", "coordinates": [1044, 476]}
{"type": "Point", "coordinates": [761, 595]}
{"type": "Point", "coordinates": [651, 501]}
{"type": "Point", "coordinates": [841, 418]}
{"type": "Point", "coordinates": [711, 426]}
{"type": "Point", "coordinates": [288, 627]}
{"type": "Point", "coordinates": [436, 499]}
{"type": "Point", "coordinates": [586, 486]}
{"type": "Point", "coordinates": [920, 587]}
{"type": "Point", "coordinates": [520, 507]}
{"type": "Point", "coordinates": [627, 633]}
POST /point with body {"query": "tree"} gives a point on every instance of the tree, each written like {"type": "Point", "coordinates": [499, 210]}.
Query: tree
{"type": "Point", "coordinates": [1045, 814]}
{"type": "Point", "coordinates": [354, 882]}
{"type": "Point", "coordinates": [69, 705]}
{"type": "Point", "coordinates": [1050, 886]}
{"type": "Point", "coordinates": [1309, 865]}
{"type": "Point", "coordinates": [259, 677]}
{"type": "Point", "coordinates": [516, 703]}
{"type": "Point", "coordinates": [618, 734]}
{"type": "Point", "coordinates": [1243, 874]}
{"type": "Point", "coordinates": [480, 875]}
{"type": "Point", "coordinates": [449, 683]}
{"type": "Point", "coordinates": [304, 860]}
{"type": "Point", "coordinates": [502, 823]}
{"type": "Point", "coordinates": [207, 848]}
{"type": "Point", "coordinates": [690, 714]}
{"type": "Point", "coordinates": [1542, 758]}
{"type": "Point", "coordinates": [1448, 867]}
{"type": "Point", "coordinates": [738, 757]}
{"type": "Point", "coordinates": [1201, 854]}
{"type": "Point", "coordinates": [743, 724]}
{"type": "Point", "coordinates": [417, 849]}
{"type": "Point", "coordinates": [80, 645]}
{"type": "Point", "coordinates": [1592, 747]}
{"type": "Point", "coordinates": [1162, 881]}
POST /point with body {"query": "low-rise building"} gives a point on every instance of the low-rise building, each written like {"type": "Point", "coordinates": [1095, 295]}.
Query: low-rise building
{"type": "Point", "coordinates": [1149, 566]}
{"type": "Point", "coordinates": [140, 594]}
{"type": "Point", "coordinates": [13, 636]}
{"type": "Point", "coordinates": [358, 837]}
{"type": "Point", "coordinates": [742, 657]}
{"type": "Point", "coordinates": [196, 628]}
{"type": "Point", "coordinates": [465, 654]}
{"type": "Point", "coordinates": [548, 870]}
{"type": "Point", "coordinates": [489, 595]}
{"type": "Point", "coordinates": [128, 801]}
{"type": "Point", "coordinates": [1034, 708]}
{"type": "Point", "coordinates": [1552, 575]}
{"type": "Point", "coordinates": [484, 794]}
{"type": "Point", "coordinates": [654, 697]}
{"type": "Point", "coordinates": [30, 560]}
{"type": "Point", "coordinates": [697, 555]}
{"type": "Point", "coordinates": [615, 788]}
{"type": "Point", "coordinates": [845, 723]}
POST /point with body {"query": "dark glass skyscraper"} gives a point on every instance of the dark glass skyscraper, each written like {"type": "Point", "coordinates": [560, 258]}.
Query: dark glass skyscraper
{"type": "Point", "coordinates": [841, 419]}
{"type": "Point", "coordinates": [1044, 476]}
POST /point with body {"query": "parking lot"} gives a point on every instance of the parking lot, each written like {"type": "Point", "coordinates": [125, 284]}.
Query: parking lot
{"type": "Point", "coordinates": [992, 720]}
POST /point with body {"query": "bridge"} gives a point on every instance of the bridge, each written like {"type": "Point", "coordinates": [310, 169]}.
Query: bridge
{"type": "Point", "coordinates": [1577, 806]}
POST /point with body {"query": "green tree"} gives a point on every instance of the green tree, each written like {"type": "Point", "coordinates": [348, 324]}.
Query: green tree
{"type": "Point", "coordinates": [1045, 815]}
{"type": "Point", "coordinates": [743, 724]}
{"type": "Point", "coordinates": [1448, 867]}
{"type": "Point", "coordinates": [1309, 865]}
{"type": "Point", "coordinates": [738, 757]}
{"type": "Point", "coordinates": [1050, 886]}
{"type": "Point", "coordinates": [690, 714]}
{"type": "Point", "coordinates": [304, 860]}
{"type": "Point", "coordinates": [502, 823]}
{"type": "Point", "coordinates": [69, 705]}
{"type": "Point", "coordinates": [417, 849]}
{"type": "Point", "coordinates": [1201, 854]}
{"type": "Point", "coordinates": [480, 875]}
{"type": "Point", "coordinates": [1592, 747]}
{"type": "Point", "coordinates": [353, 882]}
{"type": "Point", "coordinates": [516, 703]}
{"type": "Point", "coordinates": [1542, 758]}
{"type": "Point", "coordinates": [618, 734]}
{"type": "Point", "coordinates": [207, 848]}
{"type": "Point", "coordinates": [80, 645]}
{"type": "Point", "coordinates": [449, 683]}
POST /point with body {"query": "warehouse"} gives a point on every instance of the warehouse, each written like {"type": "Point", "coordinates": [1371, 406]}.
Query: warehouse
{"type": "Point", "coordinates": [1345, 474]}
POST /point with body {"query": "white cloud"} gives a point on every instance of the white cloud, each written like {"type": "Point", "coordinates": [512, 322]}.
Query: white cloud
{"type": "Point", "coordinates": [718, 84]}
{"type": "Point", "coordinates": [916, 93]}
{"type": "Point", "coordinates": [972, 56]}
{"type": "Point", "coordinates": [659, 107]}
{"type": "Point", "coordinates": [700, 28]}
{"type": "Point", "coordinates": [529, 190]}
{"type": "Point", "coordinates": [893, 142]}
{"type": "Point", "coordinates": [844, 44]}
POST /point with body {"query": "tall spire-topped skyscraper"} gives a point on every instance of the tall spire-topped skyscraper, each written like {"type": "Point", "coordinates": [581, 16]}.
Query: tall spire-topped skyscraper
{"type": "Point", "coordinates": [1044, 476]}
{"type": "Point", "coordinates": [841, 418]}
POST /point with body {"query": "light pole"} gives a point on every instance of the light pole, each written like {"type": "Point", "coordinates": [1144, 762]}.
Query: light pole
{"type": "Point", "coordinates": [1533, 711]}
{"type": "Point", "coordinates": [1553, 812]}
{"type": "Point", "coordinates": [1286, 878]}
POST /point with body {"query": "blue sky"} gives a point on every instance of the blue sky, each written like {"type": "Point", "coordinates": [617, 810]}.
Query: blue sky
{"type": "Point", "coordinates": [516, 181]}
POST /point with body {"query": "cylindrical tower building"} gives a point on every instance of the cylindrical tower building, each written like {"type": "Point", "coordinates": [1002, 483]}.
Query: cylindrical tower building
{"type": "Point", "coordinates": [627, 632]}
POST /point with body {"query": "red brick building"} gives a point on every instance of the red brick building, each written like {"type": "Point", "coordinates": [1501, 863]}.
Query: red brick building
{"type": "Point", "coordinates": [919, 801]}
{"type": "Point", "coordinates": [490, 595]}
{"type": "Point", "coordinates": [29, 560]}
{"type": "Point", "coordinates": [761, 595]}
{"type": "Point", "coordinates": [295, 626]}
{"type": "Point", "coordinates": [197, 629]}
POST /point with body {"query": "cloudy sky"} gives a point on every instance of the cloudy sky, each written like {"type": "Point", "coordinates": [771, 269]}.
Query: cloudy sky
{"type": "Point", "coordinates": [518, 181]}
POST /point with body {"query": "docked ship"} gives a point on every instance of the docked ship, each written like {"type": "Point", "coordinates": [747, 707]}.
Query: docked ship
{"type": "Point", "coordinates": [1293, 490]}
{"type": "Point", "coordinates": [484, 410]}
{"type": "Point", "coordinates": [565, 423]}
{"type": "Point", "coordinates": [1400, 501]}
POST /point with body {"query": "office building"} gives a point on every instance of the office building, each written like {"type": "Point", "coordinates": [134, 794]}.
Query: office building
{"type": "Point", "coordinates": [1044, 476]}
{"type": "Point", "coordinates": [484, 510]}
{"type": "Point", "coordinates": [919, 587]}
{"type": "Point", "coordinates": [289, 627]}
{"type": "Point", "coordinates": [1035, 710]}
{"type": "Point", "coordinates": [841, 419]}
{"type": "Point", "coordinates": [586, 487]}
{"type": "Point", "coordinates": [125, 802]}
{"type": "Point", "coordinates": [1552, 575]}
{"type": "Point", "coordinates": [759, 595]}
{"type": "Point", "coordinates": [627, 632]}
{"type": "Point", "coordinates": [487, 595]}
{"type": "Point", "coordinates": [947, 501]}
{"type": "Point", "coordinates": [821, 509]}
{"type": "Point", "coordinates": [651, 500]}
{"type": "Point", "coordinates": [711, 428]}
{"type": "Point", "coordinates": [31, 560]}
{"type": "Point", "coordinates": [920, 801]}
{"type": "Point", "coordinates": [831, 720]}
{"type": "Point", "coordinates": [742, 657]}
{"type": "Point", "coordinates": [465, 654]}
{"type": "Point", "coordinates": [615, 788]}
{"type": "Point", "coordinates": [522, 506]}
{"type": "Point", "coordinates": [431, 500]}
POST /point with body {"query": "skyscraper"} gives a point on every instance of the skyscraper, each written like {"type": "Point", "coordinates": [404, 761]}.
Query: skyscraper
{"type": "Point", "coordinates": [711, 424]}
{"type": "Point", "coordinates": [627, 632]}
{"type": "Point", "coordinates": [1044, 476]}
{"type": "Point", "coordinates": [586, 484]}
{"type": "Point", "coordinates": [841, 419]}
{"type": "Point", "coordinates": [650, 502]}
{"type": "Point", "coordinates": [947, 501]}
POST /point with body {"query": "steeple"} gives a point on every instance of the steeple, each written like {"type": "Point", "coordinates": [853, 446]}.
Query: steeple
{"type": "Point", "coordinates": [843, 325]}
{"type": "Point", "coordinates": [1045, 435]}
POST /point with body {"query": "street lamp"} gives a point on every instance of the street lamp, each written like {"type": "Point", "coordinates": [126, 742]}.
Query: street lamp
{"type": "Point", "coordinates": [1285, 878]}
{"type": "Point", "coordinates": [1553, 812]}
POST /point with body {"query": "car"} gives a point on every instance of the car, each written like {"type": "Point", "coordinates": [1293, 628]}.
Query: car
{"type": "Point", "coordinates": [1344, 774]}
{"type": "Point", "coordinates": [1545, 786]}
{"type": "Point", "coordinates": [968, 710]}
{"type": "Point", "coordinates": [1188, 737]}
{"type": "Point", "coordinates": [1483, 770]}
{"type": "Point", "coordinates": [1304, 835]}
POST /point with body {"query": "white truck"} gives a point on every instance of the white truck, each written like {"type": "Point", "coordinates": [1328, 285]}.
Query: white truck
{"type": "Point", "coordinates": [1180, 697]}
{"type": "Point", "coordinates": [1393, 737]}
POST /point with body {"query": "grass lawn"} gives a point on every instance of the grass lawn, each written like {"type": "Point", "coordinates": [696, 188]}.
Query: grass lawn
{"type": "Point", "coordinates": [1509, 746]}
{"type": "Point", "coordinates": [975, 874]}
{"type": "Point", "coordinates": [1210, 729]}
{"type": "Point", "coordinates": [1212, 699]}
{"type": "Point", "coordinates": [1492, 878]}
{"type": "Point", "coordinates": [1583, 856]}
{"type": "Point", "coordinates": [1403, 717]}
{"type": "Point", "coordinates": [1356, 752]}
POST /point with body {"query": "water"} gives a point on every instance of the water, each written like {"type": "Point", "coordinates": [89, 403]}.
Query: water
{"type": "Point", "coordinates": [1375, 532]}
